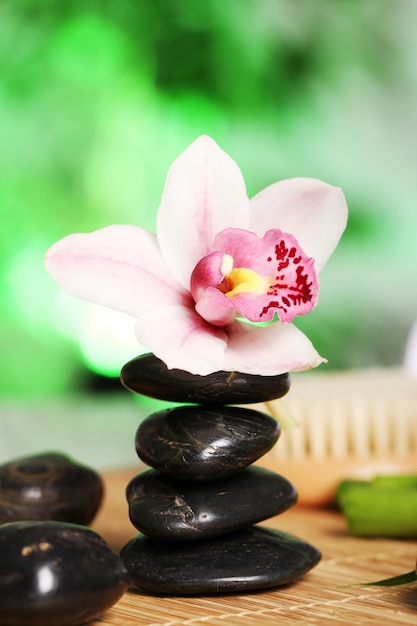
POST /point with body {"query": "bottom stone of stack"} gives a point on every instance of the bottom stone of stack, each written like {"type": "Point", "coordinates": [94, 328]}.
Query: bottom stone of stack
{"type": "Point", "coordinates": [249, 559]}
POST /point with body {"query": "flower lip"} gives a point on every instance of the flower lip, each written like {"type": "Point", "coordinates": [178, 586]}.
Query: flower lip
{"type": "Point", "coordinates": [260, 277]}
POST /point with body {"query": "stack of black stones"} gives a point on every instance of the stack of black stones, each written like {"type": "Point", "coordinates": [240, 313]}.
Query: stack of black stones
{"type": "Point", "coordinates": [198, 508]}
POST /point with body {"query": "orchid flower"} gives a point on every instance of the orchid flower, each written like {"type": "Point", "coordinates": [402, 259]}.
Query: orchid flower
{"type": "Point", "coordinates": [218, 264]}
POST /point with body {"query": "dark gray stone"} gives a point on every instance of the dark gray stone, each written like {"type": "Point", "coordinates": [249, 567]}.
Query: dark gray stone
{"type": "Point", "coordinates": [56, 574]}
{"type": "Point", "coordinates": [49, 487]}
{"type": "Point", "coordinates": [149, 376]}
{"type": "Point", "coordinates": [205, 443]}
{"type": "Point", "coordinates": [168, 508]}
{"type": "Point", "coordinates": [249, 559]}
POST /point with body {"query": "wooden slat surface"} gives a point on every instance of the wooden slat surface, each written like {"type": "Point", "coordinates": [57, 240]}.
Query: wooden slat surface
{"type": "Point", "coordinates": [324, 596]}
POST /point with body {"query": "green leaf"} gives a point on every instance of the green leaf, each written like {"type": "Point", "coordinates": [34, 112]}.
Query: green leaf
{"type": "Point", "coordinates": [402, 579]}
{"type": "Point", "coordinates": [383, 507]}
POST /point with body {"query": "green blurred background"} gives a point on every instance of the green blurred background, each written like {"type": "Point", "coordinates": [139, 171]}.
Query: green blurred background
{"type": "Point", "coordinates": [96, 100]}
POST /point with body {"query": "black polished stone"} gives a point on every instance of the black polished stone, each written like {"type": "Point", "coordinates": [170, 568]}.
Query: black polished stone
{"type": "Point", "coordinates": [168, 508]}
{"type": "Point", "coordinates": [49, 487]}
{"type": "Point", "coordinates": [205, 443]}
{"type": "Point", "coordinates": [149, 376]}
{"type": "Point", "coordinates": [56, 574]}
{"type": "Point", "coordinates": [253, 558]}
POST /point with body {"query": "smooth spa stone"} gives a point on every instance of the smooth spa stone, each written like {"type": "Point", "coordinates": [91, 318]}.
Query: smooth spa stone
{"type": "Point", "coordinates": [172, 509]}
{"type": "Point", "coordinates": [205, 443]}
{"type": "Point", "coordinates": [248, 559]}
{"type": "Point", "coordinates": [149, 376]}
{"type": "Point", "coordinates": [56, 574]}
{"type": "Point", "coordinates": [49, 486]}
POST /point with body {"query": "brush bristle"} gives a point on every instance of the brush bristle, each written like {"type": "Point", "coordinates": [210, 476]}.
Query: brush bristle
{"type": "Point", "coordinates": [354, 415]}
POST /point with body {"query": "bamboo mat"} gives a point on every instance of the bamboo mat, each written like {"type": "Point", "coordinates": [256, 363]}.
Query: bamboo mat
{"type": "Point", "coordinates": [322, 596]}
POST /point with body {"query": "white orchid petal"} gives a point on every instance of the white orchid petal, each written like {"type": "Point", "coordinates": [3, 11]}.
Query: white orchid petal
{"type": "Point", "coordinates": [269, 350]}
{"type": "Point", "coordinates": [311, 210]}
{"type": "Point", "coordinates": [204, 193]}
{"type": "Point", "coordinates": [183, 340]}
{"type": "Point", "coordinates": [118, 266]}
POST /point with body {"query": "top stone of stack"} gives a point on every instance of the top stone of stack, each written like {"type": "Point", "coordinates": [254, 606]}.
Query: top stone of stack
{"type": "Point", "coordinates": [150, 377]}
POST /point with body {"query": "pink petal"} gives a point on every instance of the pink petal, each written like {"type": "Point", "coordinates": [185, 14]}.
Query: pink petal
{"type": "Point", "coordinates": [183, 340]}
{"type": "Point", "coordinates": [246, 248]}
{"type": "Point", "coordinates": [207, 273]}
{"type": "Point", "coordinates": [211, 303]}
{"type": "Point", "coordinates": [204, 193]}
{"type": "Point", "coordinates": [311, 210]}
{"type": "Point", "coordinates": [269, 350]}
{"type": "Point", "coordinates": [216, 308]}
{"type": "Point", "coordinates": [294, 287]}
{"type": "Point", "coordinates": [118, 266]}
{"type": "Point", "coordinates": [285, 281]}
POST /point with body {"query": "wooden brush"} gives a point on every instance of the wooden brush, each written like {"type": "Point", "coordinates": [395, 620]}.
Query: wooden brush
{"type": "Point", "coordinates": [353, 424]}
